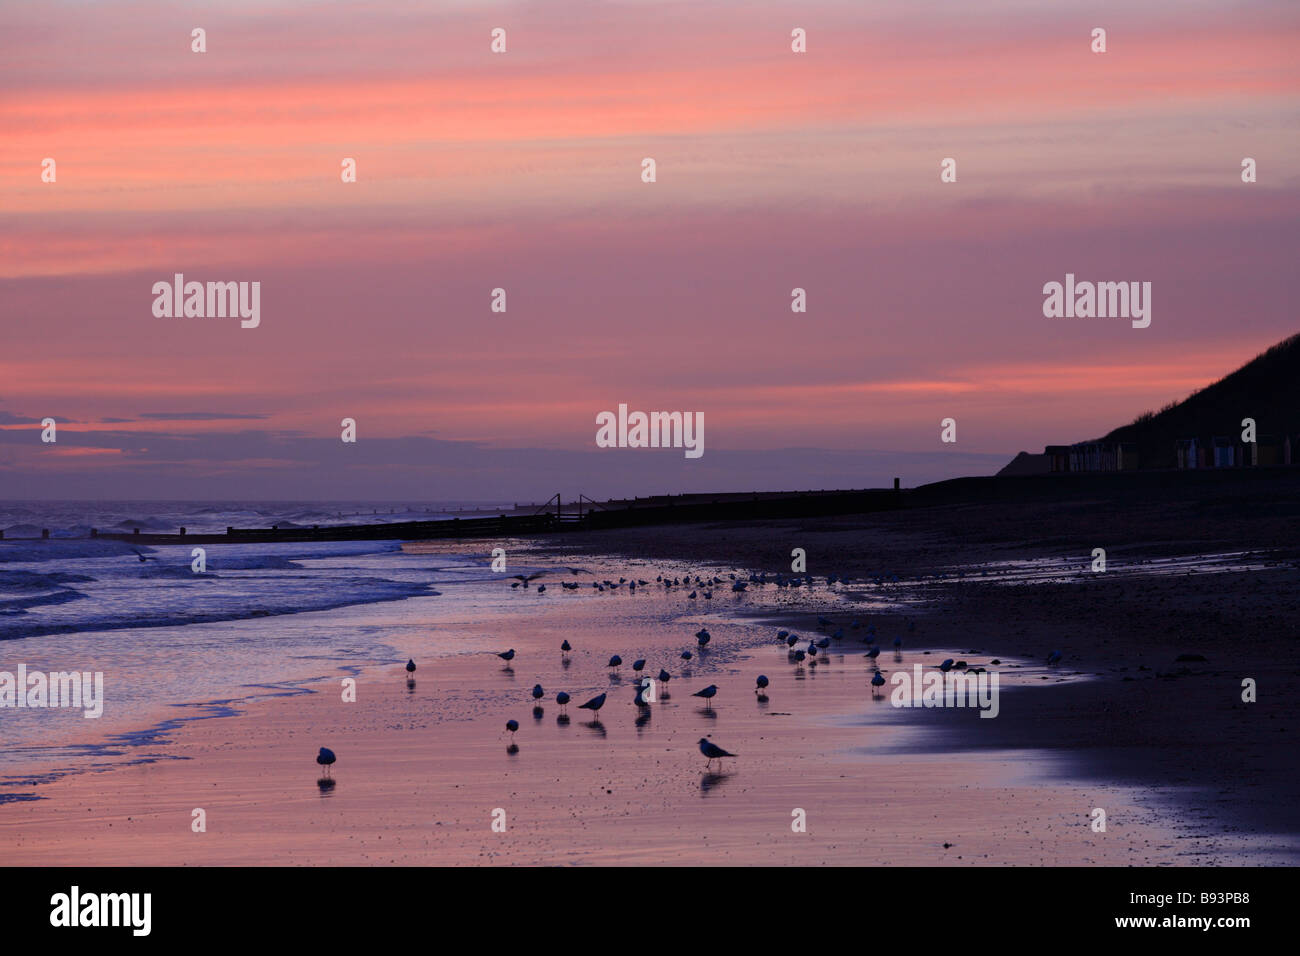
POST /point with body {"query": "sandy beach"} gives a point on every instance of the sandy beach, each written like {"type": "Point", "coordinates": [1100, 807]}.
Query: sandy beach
{"type": "Point", "coordinates": [1166, 749]}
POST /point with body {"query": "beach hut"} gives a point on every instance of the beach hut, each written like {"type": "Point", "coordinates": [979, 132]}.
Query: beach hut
{"type": "Point", "coordinates": [1266, 451]}
{"type": "Point", "coordinates": [1224, 452]}
{"type": "Point", "coordinates": [1058, 457]}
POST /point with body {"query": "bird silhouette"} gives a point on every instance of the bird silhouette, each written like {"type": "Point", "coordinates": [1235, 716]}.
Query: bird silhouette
{"type": "Point", "coordinates": [326, 759]}
{"type": "Point", "coordinates": [594, 704]}
{"type": "Point", "coordinates": [410, 667]}
{"type": "Point", "coordinates": [713, 752]}
{"type": "Point", "coordinates": [563, 700]}
{"type": "Point", "coordinates": [708, 693]}
{"type": "Point", "coordinates": [760, 684]}
{"type": "Point", "coordinates": [507, 656]}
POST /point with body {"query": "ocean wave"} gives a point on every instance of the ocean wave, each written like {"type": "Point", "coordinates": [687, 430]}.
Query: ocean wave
{"type": "Point", "coordinates": [19, 580]}
{"type": "Point", "coordinates": [19, 625]}
{"type": "Point", "coordinates": [13, 607]}
{"type": "Point", "coordinates": [144, 524]}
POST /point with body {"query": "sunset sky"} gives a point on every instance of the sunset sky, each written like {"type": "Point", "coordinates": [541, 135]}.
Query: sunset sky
{"type": "Point", "coordinates": [522, 171]}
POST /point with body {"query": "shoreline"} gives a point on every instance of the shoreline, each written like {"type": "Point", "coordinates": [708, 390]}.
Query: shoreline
{"type": "Point", "coordinates": [909, 754]}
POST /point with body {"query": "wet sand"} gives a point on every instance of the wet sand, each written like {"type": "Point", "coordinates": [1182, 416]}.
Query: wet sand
{"type": "Point", "coordinates": [421, 771]}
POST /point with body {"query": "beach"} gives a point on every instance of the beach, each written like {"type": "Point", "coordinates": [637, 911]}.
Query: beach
{"type": "Point", "coordinates": [1180, 765]}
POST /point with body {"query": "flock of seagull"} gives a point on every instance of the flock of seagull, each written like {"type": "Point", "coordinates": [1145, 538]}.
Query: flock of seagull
{"type": "Point", "coordinates": [700, 586]}
{"type": "Point", "coordinates": [797, 655]}
{"type": "Point", "coordinates": [643, 684]}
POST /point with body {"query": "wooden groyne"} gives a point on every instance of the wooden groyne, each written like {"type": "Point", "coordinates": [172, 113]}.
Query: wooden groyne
{"type": "Point", "coordinates": [582, 516]}
{"type": "Point", "coordinates": [1275, 487]}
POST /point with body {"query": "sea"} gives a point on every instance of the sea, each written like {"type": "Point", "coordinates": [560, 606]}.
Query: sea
{"type": "Point", "coordinates": [259, 617]}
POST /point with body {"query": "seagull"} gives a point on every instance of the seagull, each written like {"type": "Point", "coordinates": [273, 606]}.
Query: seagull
{"type": "Point", "coordinates": [325, 758]}
{"type": "Point", "coordinates": [708, 694]}
{"type": "Point", "coordinates": [562, 699]}
{"type": "Point", "coordinates": [946, 666]}
{"type": "Point", "coordinates": [615, 661]}
{"type": "Point", "coordinates": [594, 704]}
{"type": "Point", "coordinates": [703, 636]}
{"type": "Point", "coordinates": [143, 558]}
{"type": "Point", "coordinates": [712, 751]}
{"type": "Point", "coordinates": [638, 666]}
{"type": "Point", "coordinates": [686, 655]}
{"type": "Point", "coordinates": [525, 578]}
{"type": "Point", "coordinates": [537, 692]}
{"type": "Point", "coordinates": [507, 656]}
{"type": "Point", "coordinates": [410, 667]}
{"type": "Point", "coordinates": [664, 676]}
{"type": "Point", "coordinates": [512, 726]}
{"type": "Point", "coordinates": [877, 682]}
{"type": "Point", "coordinates": [760, 684]}
{"type": "Point", "coordinates": [791, 641]}
{"type": "Point", "coordinates": [873, 653]}
{"type": "Point", "coordinates": [565, 648]}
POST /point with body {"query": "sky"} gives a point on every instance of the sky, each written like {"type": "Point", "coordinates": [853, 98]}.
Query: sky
{"type": "Point", "coordinates": [522, 170]}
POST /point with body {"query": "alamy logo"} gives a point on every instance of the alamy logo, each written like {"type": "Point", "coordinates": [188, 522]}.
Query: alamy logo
{"type": "Point", "coordinates": [215, 300]}
{"type": "Point", "coordinates": [1085, 300]}
{"type": "Point", "coordinates": [652, 430]}
{"type": "Point", "coordinates": [56, 689]}
{"type": "Point", "coordinates": [103, 909]}
{"type": "Point", "coordinates": [939, 688]}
